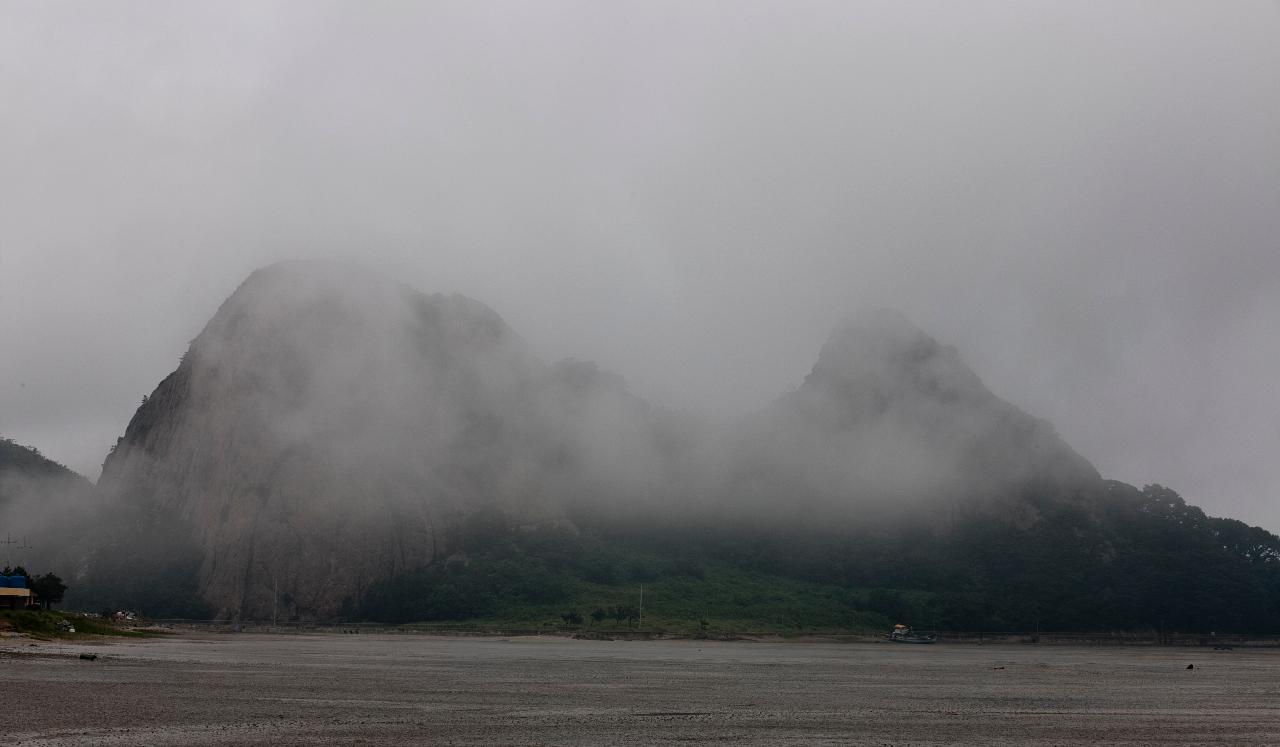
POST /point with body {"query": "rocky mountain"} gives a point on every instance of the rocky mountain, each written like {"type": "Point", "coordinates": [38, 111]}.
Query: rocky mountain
{"type": "Point", "coordinates": [335, 444]}
{"type": "Point", "coordinates": [891, 421]}
{"type": "Point", "coordinates": [329, 427]}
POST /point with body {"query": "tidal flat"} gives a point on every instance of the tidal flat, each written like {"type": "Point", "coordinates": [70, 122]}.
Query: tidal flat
{"type": "Point", "coordinates": [300, 689]}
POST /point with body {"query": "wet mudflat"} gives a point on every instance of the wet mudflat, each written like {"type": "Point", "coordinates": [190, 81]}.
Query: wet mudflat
{"type": "Point", "coordinates": [407, 689]}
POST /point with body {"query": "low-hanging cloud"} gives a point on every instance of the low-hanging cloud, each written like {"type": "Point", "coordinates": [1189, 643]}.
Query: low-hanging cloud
{"type": "Point", "coordinates": [1080, 198]}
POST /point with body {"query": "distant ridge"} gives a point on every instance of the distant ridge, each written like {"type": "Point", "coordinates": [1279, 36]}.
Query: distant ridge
{"type": "Point", "coordinates": [27, 461]}
{"type": "Point", "coordinates": [43, 509]}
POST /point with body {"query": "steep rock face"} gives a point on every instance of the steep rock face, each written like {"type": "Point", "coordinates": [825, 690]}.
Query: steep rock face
{"type": "Point", "coordinates": [327, 428]}
{"type": "Point", "coordinates": [330, 428]}
{"type": "Point", "coordinates": [889, 420]}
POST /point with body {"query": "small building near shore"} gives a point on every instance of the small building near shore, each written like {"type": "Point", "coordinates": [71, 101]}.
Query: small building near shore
{"type": "Point", "coordinates": [14, 593]}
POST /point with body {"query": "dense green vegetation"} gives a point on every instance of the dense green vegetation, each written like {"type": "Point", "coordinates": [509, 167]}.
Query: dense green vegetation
{"type": "Point", "coordinates": [558, 577]}
{"type": "Point", "coordinates": [1140, 560]}
{"type": "Point", "coordinates": [26, 459]}
{"type": "Point", "coordinates": [1123, 559]}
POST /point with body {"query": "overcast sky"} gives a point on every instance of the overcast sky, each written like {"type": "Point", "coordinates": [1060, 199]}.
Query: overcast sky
{"type": "Point", "coordinates": [1084, 197]}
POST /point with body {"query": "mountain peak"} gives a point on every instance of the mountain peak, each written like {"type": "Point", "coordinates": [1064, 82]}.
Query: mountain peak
{"type": "Point", "coordinates": [878, 354]}
{"type": "Point", "coordinates": [333, 294]}
{"type": "Point", "coordinates": [889, 411]}
{"type": "Point", "coordinates": [331, 425]}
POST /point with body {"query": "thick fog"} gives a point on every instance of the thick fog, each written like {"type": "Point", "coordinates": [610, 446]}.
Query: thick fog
{"type": "Point", "coordinates": [1081, 197]}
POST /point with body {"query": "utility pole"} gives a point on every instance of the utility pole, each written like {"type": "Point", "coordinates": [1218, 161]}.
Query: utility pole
{"type": "Point", "coordinates": [8, 544]}
{"type": "Point", "coordinates": [642, 606]}
{"type": "Point", "coordinates": [24, 550]}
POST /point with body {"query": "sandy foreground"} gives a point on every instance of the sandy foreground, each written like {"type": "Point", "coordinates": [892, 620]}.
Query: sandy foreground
{"type": "Point", "coordinates": [409, 689]}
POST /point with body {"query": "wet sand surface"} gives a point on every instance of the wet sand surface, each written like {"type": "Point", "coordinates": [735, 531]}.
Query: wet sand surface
{"type": "Point", "coordinates": [407, 689]}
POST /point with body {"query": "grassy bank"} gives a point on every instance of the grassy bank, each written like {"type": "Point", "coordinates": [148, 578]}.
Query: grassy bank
{"type": "Point", "coordinates": [551, 578]}
{"type": "Point", "coordinates": [724, 599]}
{"type": "Point", "coordinates": [51, 624]}
{"type": "Point", "coordinates": [718, 599]}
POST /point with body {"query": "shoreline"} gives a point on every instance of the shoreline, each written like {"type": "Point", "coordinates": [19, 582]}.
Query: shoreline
{"type": "Point", "coordinates": [222, 631]}
{"type": "Point", "coordinates": [313, 689]}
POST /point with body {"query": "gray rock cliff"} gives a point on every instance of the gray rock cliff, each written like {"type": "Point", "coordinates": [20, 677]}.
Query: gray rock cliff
{"type": "Point", "coordinates": [328, 427]}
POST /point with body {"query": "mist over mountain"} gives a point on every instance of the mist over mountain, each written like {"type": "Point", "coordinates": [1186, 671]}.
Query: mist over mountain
{"type": "Point", "coordinates": [335, 444]}
{"type": "Point", "coordinates": [18, 462]}
{"type": "Point", "coordinates": [330, 427]}
{"type": "Point", "coordinates": [42, 508]}
{"type": "Point", "coordinates": [890, 421]}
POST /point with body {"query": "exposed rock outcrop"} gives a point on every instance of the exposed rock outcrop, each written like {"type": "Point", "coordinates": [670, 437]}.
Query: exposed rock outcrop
{"type": "Point", "coordinates": [329, 428]}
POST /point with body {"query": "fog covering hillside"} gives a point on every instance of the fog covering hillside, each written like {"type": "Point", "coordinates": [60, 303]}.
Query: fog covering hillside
{"type": "Point", "coordinates": [329, 428]}
{"type": "Point", "coordinates": [334, 444]}
{"type": "Point", "coordinates": [889, 422]}
{"type": "Point", "coordinates": [44, 509]}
